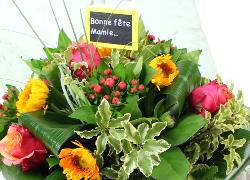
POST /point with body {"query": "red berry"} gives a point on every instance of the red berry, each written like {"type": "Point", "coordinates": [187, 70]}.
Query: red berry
{"type": "Point", "coordinates": [98, 88]}
{"type": "Point", "coordinates": [107, 72]}
{"type": "Point", "coordinates": [141, 87]}
{"type": "Point", "coordinates": [107, 97]}
{"type": "Point", "coordinates": [1, 107]}
{"type": "Point", "coordinates": [115, 78]}
{"type": "Point", "coordinates": [163, 41]}
{"type": "Point", "coordinates": [117, 93]}
{"type": "Point", "coordinates": [110, 82]}
{"type": "Point", "coordinates": [102, 81]}
{"type": "Point", "coordinates": [92, 86]}
{"type": "Point", "coordinates": [115, 100]}
{"type": "Point", "coordinates": [133, 90]}
{"type": "Point", "coordinates": [5, 109]}
{"type": "Point", "coordinates": [134, 82]}
{"type": "Point", "coordinates": [47, 82]}
{"type": "Point", "coordinates": [5, 97]}
{"type": "Point", "coordinates": [150, 37]}
{"type": "Point", "coordinates": [122, 85]}
{"type": "Point", "coordinates": [91, 97]}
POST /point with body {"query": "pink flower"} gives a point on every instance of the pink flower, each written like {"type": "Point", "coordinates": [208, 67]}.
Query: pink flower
{"type": "Point", "coordinates": [5, 97]}
{"type": "Point", "coordinates": [110, 82]}
{"type": "Point", "coordinates": [115, 100]}
{"type": "Point", "coordinates": [122, 85]}
{"type": "Point", "coordinates": [76, 55]}
{"type": "Point", "coordinates": [19, 146]}
{"type": "Point", "coordinates": [98, 88]}
{"type": "Point", "coordinates": [209, 97]}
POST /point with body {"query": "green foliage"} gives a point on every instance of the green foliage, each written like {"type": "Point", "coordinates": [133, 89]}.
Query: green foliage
{"type": "Point", "coordinates": [174, 165]}
{"type": "Point", "coordinates": [184, 129]}
{"type": "Point", "coordinates": [52, 161]}
{"type": "Point", "coordinates": [36, 66]}
{"type": "Point", "coordinates": [231, 117]}
{"type": "Point", "coordinates": [176, 95]}
{"type": "Point", "coordinates": [51, 72]}
{"type": "Point", "coordinates": [57, 174]}
{"type": "Point", "coordinates": [141, 29]}
{"type": "Point", "coordinates": [85, 113]}
{"type": "Point", "coordinates": [132, 107]}
{"type": "Point", "coordinates": [204, 172]}
{"type": "Point", "coordinates": [53, 129]}
{"type": "Point", "coordinates": [191, 56]}
{"type": "Point", "coordinates": [16, 173]}
{"type": "Point", "coordinates": [63, 40]}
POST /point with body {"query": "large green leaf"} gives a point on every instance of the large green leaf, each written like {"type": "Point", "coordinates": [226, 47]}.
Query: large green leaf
{"type": "Point", "coordinates": [36, 65]}
{"type": "Point", "coordinates": [56, 175]}
{"type": "Point", "coordinates": [191, 56]}
{"type": "Point", "coordinates": [63, 40]}
{"type": "Point", "coordinates": [16, 173]}
{"type": "Point", "coordinates": [184, 129]}
{"type": "Point", "coordinates": [53, 129]}
{"type": "Point", "coordinates": [86, 114]}
{"type": "Point", "coordinates": [174, 165]}
{"type": "Point", "coordinates": [176, 95]}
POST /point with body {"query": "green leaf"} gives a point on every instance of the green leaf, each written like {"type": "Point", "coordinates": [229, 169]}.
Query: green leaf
{"type": "Point", "coordinates": [138, 68]}
{"type": "Point", "coordinates": [115, 143]}
{"type": "Point", "coordinates": [147, 74]}
{"type": "Point", "coordinates": [63, 40]}
{"type": "Point", "coordinates": [110, 173]}
{"type": "Point", "coordinates": [204, 172]}
{"type": "Point", "coordinates": [143, 129]}
{"type": "Point", "coordinates": [120, 71]}
{"type": "Point", "coordinates": [141, 29]}
{"type": "Point", "coordinates": [88, 134]}
{"type": "Point", "coordinates": [126, 146]}
{"type": "Point", "coordinates": [52, 129]}
{"type": "Point", "coordinates": [184, 129]}
{"type": "Point", "coordinates": [52, 161]}
{"type": "Point", "coordinates": [176, 95]}
{"type": "Point", "coordinates": [145, 163]}
{"type": "Point", "coordinates": [104, 112]}
{"type": "Point", "coordinates": [36, 66]}
{"type": "Point", "coordinates": [174, 165]}
{"type": "Point", "coordinates": [51, 72]}
{"type": "Point", "coordinates": [101, 143]}
{"type": "Point", "coordinates": [115, 123]}
{"type": "Point", "coordinates": [153, 146]}
{"type": "Point", "coordinates": [56, 175]}
{"type": "Point", "coordinates": [191, 56]}
{"type": "Point", "coordinates": [16, 173]}
{"type": "Point", "coordinates": [132, 108]}
{"type": "Point", "coordinates": [130, 162]}
{"type": "Point", "coordinates": [115, 60]}
{"type": "Point", "coordinates": [156, 129]}
{"type": "Point", "coordinates": [48, 52]}
{"type": "Point", "coordinates": [131, 133]}
{"type": "Point", "coordinates": [85, 113]}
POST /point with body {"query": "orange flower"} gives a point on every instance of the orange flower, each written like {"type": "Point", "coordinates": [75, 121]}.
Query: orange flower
{"type": "Point", "coordinates": [166, 71]}
{"type": "Point", "coordinates": [79, 163]}
{"type": "Point", "coordinates": [104, 52]}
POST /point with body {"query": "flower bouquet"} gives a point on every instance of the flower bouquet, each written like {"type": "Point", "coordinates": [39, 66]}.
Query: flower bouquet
{"type": "Point", "coordinates": [98, 113]}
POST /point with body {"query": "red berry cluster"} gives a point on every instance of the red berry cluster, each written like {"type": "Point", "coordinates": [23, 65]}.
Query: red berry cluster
{"type": "Point", "coordinates": [150, 37]}
{"type": "Point", "coordinates": [111, 88]}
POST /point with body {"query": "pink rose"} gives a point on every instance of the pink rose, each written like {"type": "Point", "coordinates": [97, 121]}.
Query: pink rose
{"type": "Point", "coordinates": [19, 146]}
{"type": "Point", "coordinates": [76, 55]}
{"type": "Point", "coordinates": [209, 97]}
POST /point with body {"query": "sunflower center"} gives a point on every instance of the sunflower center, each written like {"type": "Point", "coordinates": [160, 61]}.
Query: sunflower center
{"type": "Point", "coordinates": [81, 163]}
{"type": "Point", "coordinates": [166, 70]}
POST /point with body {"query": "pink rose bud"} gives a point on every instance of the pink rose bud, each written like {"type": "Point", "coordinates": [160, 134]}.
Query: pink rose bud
{"type": "Point", "coordinates": [209, 97]}
{"type": "Point", "coordinates": [92, 86]}
{"type": "Point", "coordinates": [5, 97]}
{"type": "Point", "coordinates": [115, 78]}
{"type": "Point", "coordinates": [98, 88]}
{"type": "Point", "coordinates": [102, 81]}
{"type": "Point", "coordinates": [20, 147]}
{"type": "Point", "coordinates": [91, 97]}
{"type": "Point", "coordinates": [134, 82]}
{"type": "Point", "coordinates": [110, 82]}
{"type": "Point", "coordinates": [80, 73]}
{"type": "Point", "coordinates": [122, 85]}
{"type": "Point", "coordinates": [107, 72]}
{"type": "Point", "coordinates": [117, 93]}
{"type": "Point", "coordinates": [107, 97]}
{"type": "Point", "coordinates": [150, 37]}
{"type": "Point", "coordinates": [115, 100]}
{"type": "Point", "coordinates": [133, 90]}
{"type": "Point", "coordinates": [141, 87]}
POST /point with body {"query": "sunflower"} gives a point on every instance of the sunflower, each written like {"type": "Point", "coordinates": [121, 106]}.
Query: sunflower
{"type": "Point", "coordinates": [104, 52]}
{"type": "Point", "coordinates": [33, 97]}
{"type": "Point", "coordinates": [166, 71]}
{"type": "Point", "coordinates": [79, 163]}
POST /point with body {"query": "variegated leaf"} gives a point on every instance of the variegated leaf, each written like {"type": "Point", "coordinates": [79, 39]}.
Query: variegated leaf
{"type": "Point", "coordinates": [88, 134]}
{"type": "Point", "coordinates": [101, 143]}
{"type": "Point", "coordinates": [156, 129]}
